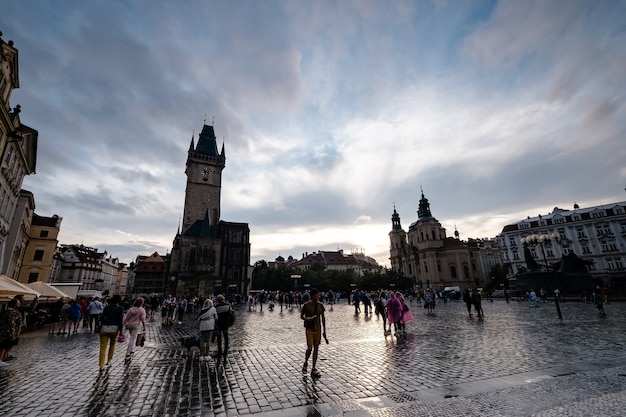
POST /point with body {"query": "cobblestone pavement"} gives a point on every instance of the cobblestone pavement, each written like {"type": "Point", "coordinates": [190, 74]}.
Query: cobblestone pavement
{"type": "Point", "coordinates": [517, 361]}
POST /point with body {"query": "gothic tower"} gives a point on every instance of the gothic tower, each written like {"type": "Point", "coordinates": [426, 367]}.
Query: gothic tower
{"type": "Point", "coordinates": [204, 179]}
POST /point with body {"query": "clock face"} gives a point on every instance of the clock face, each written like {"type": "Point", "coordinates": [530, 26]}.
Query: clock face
{"type": "Point", "coordinates": [206, 172]}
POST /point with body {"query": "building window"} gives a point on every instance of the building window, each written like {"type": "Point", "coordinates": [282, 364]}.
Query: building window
{"type": "Point", "coordinates": [515, 255]}
{"type": "Point", "coordinates": [549, 252]}
{"type": "Point", "coordinates": [43, 233]}
{"type": "Point", "coordinates": [38, 255]}
{"type": "Point", "coordinates": [614, 263]}
{"type": "Point", "coordinates": [580, 232]}
{"type": "Point", "coordinates": [453, 271]}
{"type": "Point", "coordinates": [524, 226]}
{"type": "Point", "coordinates": [609, 246]}
{"type": "Point", "coordinates": [576, 217]}
{"type": "Point", "coordinates": [618, 210]}
{"type": "Point", "coordinates": [438, 267]}
{"type": "Point", "coordinates": [598, 214]}
{"type": "Point", "coordinates": [32, 277]}
{"type": "Point", "coordinates": [512, 241]}
{"type": "Point", "coordinates": [603, 229]}
{"type": "Point", "coordinates": [586, 249]}
{"type": "Point", "coordinates": [558, 220]}
{"type": "Point", "coordinates": [425, 267]}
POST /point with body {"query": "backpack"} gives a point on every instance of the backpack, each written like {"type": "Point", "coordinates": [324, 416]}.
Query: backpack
{"type": "Point", "coordinates": [231, 318]}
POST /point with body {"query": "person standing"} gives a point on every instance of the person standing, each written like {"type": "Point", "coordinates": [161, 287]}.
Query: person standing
{"type": "Point", "coordinates": [10, 329]}
{"type": "Point", "coordinates": [208, 318]}
{"type": "Point", "coordinates": [315, 323]}
{"type": "Point", "coordinates": [134, 319]}
{"type": "Point", "coordinates": [112, 322]}
{"type": "Point", "coordinates": [223, 310]}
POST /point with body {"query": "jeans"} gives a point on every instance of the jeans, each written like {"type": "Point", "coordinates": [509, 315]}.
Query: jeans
{"type": "Point", "coordinates": [222, 333]}
{"type": "Point", "coordinates": [111, 340]}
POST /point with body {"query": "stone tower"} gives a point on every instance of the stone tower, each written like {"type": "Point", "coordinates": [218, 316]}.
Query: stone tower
{"type": "Point", "coordinates": [204, 179]}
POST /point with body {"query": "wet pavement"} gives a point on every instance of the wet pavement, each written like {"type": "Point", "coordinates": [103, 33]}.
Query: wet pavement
{"type": "Point", "coordinates": [517, 361]}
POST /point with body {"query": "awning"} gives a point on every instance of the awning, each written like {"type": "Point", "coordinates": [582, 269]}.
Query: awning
{"type": "Point", "coordinates": [48, 292]}
{"type": "Point", "coordinates": [9, 288]}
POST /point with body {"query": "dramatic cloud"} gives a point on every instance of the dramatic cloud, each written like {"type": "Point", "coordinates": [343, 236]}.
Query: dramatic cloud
{"type": "Point", "coordinates": [330, 112]}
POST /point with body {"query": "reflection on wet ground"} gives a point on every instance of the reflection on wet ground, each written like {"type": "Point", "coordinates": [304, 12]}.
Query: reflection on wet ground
{"type": "Point", "coordinates": [262, 372]}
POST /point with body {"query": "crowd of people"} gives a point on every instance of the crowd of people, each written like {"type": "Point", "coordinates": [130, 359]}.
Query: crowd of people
{"type": "Point", "coordinates": [118, 319]}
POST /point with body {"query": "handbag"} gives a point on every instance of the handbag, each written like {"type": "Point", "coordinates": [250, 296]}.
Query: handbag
{"type": "Point", "coordinates": [121, 337]}
{"type": "Point", "coordinates": [141, 339]}
{"type": "Point", "coordinates": [97, 327]}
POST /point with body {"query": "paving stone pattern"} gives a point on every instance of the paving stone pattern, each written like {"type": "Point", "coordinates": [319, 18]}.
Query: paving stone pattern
{"type": "Point", "coordinates": [517, 361]}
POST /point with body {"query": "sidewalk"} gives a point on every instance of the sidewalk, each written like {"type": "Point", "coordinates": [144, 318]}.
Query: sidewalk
{"type": "Point", "coordinates": [518, 361]}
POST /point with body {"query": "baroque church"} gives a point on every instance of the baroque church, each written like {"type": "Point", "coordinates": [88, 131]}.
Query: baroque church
{"type": "Point", "coordinates": [209, 255]}
{"type": "Point", "coordinates": [427, 255]}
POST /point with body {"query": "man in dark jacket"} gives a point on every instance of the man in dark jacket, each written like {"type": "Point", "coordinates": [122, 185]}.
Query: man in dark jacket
{"type": "Point", "coordinates": [223, 322]}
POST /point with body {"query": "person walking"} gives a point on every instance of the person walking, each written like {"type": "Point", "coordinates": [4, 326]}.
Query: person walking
{"type": "Point", "coordinates": [476, 300]}
{"type": "Point", "coordinates": [467, 299]}
{"type": "Point", "coordinates": [312, 313]}
{"type": "Point", "coordinates": [134, 319]}
{"type": "Point", "coordinates": [182, 309]}
{"type": "Point", "coordinates": [381, 309]}
{"type": "Point", "coordinates": [10, 329]}
{"type": "Point", "coordinates": [208, 318]}
{"type": "Point", "coordinates": [94, 310]}
{"type": "Point", "coordinates": [223, 310]}
{"type": "Point", "coordinates": [406, 316]}
{"type": "Point", "coordinates": [598, 300]}
{"type": "Point", "coordinates": [74, 316]}
{"type": "Point", "coordinates": [394, 313]}
{"type": "Point", "coordinates": [112, 322]}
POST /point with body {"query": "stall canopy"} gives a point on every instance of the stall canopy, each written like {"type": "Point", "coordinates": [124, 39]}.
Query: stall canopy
{"type": "Point", "coordinates": [9, 288]}
{"type": "Point", "coordinates": [48, 292]}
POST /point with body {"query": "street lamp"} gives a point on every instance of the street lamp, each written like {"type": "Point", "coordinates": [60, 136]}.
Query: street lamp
{"type": "Point", "coordinates": [541, 240]}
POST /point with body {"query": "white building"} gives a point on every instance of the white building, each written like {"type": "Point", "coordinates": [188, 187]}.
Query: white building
{"type": "Point", "coordinates": [596, 234]}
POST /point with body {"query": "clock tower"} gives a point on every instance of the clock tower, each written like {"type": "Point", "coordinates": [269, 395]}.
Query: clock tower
{"type": "Point", "coordinates": [204, 179]}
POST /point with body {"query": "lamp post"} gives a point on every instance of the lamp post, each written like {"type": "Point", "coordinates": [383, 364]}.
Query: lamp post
{"type": "Point", "coordinates": [541, 239]}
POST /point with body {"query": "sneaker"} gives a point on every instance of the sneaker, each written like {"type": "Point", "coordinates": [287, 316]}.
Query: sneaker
{"type": "Point", "coordinates": [3, 364]}
{"type": "Point", "coordinates": [180, 322]}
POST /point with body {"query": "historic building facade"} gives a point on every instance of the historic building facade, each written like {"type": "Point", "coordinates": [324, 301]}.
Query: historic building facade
{"type": "Point", "coordinates": [18, 150]}
{"type": "Point", "coordinates": [432, 259]}
{"type": "Point", "coordinates": [209, 255]}
{"type": "Point", "coordinates": [596, 234]}
{"type": "Point", "coordinates": [40, 248]}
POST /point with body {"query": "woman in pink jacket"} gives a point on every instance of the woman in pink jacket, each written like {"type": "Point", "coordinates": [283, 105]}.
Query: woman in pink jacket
{"type": "Point", "coordinates": [134, 318]}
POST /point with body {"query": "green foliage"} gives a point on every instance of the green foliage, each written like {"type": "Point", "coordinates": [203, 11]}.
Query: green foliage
{"type": "Point", "coordinates": [318, 276]}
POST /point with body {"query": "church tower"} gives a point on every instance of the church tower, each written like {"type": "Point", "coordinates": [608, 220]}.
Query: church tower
{"type": "Point", "coordinates": [209, 255]}
{"type": "Point", "coordinates": [204, 179]}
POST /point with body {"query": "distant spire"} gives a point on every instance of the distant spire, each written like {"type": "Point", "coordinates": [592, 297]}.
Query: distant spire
{"type": "Point", "coordinates": [204, 121]}
{"type": "Point", "coordinates": [395, 219]}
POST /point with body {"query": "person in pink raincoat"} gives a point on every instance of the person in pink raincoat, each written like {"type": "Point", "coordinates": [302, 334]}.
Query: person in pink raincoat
{"type": "Point", "coordinates": [407, 316]}
{"type": "Point", "coordinates": [394, 313]}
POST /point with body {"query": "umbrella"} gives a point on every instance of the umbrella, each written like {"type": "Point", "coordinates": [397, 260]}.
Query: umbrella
{"type": "Point", "coordinates": [48, 292]}
{"type": "Point", "coordinates": [9, 288]}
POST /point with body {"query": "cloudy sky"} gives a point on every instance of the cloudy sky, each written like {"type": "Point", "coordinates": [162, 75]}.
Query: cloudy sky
{"type": "Point", "coordinates": [331, 113]}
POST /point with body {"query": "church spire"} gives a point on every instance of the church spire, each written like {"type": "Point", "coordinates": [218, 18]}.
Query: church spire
{"type": "Point", "coordinates": [424, 208]}
{"type": "Point", "coordinates": [395, 220]}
